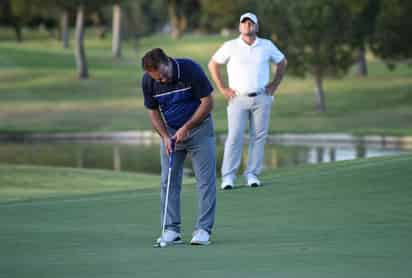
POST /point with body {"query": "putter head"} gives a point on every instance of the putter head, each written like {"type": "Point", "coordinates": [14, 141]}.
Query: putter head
{"type": "Point", "coordinates": [160, 244]}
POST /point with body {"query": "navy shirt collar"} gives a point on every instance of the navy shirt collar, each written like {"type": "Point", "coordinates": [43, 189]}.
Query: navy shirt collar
{"type": "Point", "coordinates": [175, 70]}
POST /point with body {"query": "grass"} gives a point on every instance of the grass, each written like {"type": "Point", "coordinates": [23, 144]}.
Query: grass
{"type": "Point", "coordinates": [39, 91]}
{"type": "Point", "coordinates": [346, 219]}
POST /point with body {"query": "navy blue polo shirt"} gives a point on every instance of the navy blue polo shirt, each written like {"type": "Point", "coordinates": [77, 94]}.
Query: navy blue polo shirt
{"type": "Point", "coordinates": [179, 99]}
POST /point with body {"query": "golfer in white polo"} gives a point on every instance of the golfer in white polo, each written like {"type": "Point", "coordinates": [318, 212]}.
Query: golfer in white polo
{"type": "Point", "coordinates": [250, 94]}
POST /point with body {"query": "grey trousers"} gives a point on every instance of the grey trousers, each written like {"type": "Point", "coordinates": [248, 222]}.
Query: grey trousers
{"type": "Point", "coordinates": [200, 144]}
{"type": "Point", "coordinates": [243, 110]}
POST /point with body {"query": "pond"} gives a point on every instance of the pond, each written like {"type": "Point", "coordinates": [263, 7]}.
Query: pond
{"type": "Point", "coordinates": [143, 156]}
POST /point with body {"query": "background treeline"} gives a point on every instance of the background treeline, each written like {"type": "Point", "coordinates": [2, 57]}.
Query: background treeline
{"type": "Point", "coordinates": [322, 38]}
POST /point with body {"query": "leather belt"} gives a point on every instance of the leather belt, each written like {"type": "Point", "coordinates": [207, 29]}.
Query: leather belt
{"type": "Point", "coordinates": [252, 94]}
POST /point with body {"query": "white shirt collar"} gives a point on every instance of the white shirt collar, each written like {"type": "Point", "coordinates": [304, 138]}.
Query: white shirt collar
{"type": "Point", "coordinates": [255, 43]}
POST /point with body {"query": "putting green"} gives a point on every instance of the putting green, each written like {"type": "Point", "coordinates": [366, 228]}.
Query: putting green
{"type": "Point", "coordinates": [346, 219]}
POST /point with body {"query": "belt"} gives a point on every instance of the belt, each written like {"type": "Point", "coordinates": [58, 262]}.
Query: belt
{"type": "Point", "coordinates": [254, 94]}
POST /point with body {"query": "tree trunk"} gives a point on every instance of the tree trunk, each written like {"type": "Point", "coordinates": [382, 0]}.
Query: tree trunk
{"type": "Point", "coordinates": [102, 29]}
{"type": "Point", "coordinates": [117, 25]}
{"type": "Point", "coordinates": [178, 22]}
{"type": "Point", "coordinates": [64, 27]}
{"type": "Point", "coordinates": [360, 150]}
{"type": "Point", "coordinates": [117, 161]}
{"type": "Point", "coordinates": [362, 65]}
{"type": "Point", "coordinates": [319, 92]}
{"type": "Point", "coordinates": [101, 32]}
{"type": "Point", "coordinates": [17, 30]}
{"type": "Point", "coordinates": [332, 155]}
{"type": "Point", "coordinates": [319, 154]}
{"type": "Point", "coordinates": [8, 15]}
{"type": "Point", "coordinates": [79, 50]}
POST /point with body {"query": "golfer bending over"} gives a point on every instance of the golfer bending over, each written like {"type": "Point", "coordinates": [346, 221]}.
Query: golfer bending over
{"type": "Point", "coordinates": [179, 98]}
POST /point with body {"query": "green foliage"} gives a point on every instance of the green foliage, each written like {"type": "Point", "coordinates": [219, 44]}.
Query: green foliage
{"type": "Point", "coordinates": [224, 14]}
{"type": "Point", "coordinates": [191, 10]}
{"type": "Point", "coordinates": [392, 39]}
{"type": "Point", "coordinates": [364, 14]}
{"type": "Point", "coordinates": [316, 35]}
{"type": "Point", "coordinates": [143, 17]}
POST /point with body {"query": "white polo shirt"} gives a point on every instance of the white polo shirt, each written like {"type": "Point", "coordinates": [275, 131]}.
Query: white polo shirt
{"type": "Point", "coordinates": [248, 66]}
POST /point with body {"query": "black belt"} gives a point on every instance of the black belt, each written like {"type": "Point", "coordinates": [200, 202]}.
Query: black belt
{"type": "Point", "coordinates": [252, 94]}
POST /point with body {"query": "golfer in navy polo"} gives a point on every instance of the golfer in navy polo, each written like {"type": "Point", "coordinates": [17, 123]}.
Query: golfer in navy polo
{"type": "Point", "coordinates": [179, 98]}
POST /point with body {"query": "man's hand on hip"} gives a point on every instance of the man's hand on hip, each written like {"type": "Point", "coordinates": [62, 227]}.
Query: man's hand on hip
{"type": "Point", "coordinates": [270, 89]}
{"type": "Point", "coordinates": [228, 93]}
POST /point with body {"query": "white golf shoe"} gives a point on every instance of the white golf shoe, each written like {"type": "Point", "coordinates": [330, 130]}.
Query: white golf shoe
{"type": "Point", "coordinates": [200, 237]}
{"type": "Point", "coordinates": [227, 183]}
{"type": "Point", "coordinates": [170, 237]}
{"type": "Point", "coordinates": [252, 181]}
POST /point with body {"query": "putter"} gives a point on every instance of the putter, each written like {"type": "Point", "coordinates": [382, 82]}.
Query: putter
{"type": "Point", "coordinates": [162, 243]}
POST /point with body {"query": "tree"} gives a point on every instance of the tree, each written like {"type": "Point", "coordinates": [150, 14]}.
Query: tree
{"type": "Point", "coordinates": [29, 13]}
{"type": "Point", "coordinates": [80, 54]}
{"type": "Point", "coordinates": [64, 27]}
{"type": "Point", "coordinates": [91, 8]}
{"type": "Point", "coordinates": [140, 18]}
{"type": "Point", "coordinates": [182, 13]}
{"type": "Point", "coordinates": [364, 14]}
{"type": "Point", "coordinates": [13, 13]}
{"type": "Point", "coordinates": [217, 15]}
{"type": "Point", "coordinates": [98, 18]}
{"type": "Point", "coordinates": [81, 7]}
{"type": "Point", "coordinates": [316, 36]}
{"type": "Point", "coordinates": [391, 40]}
{"type": "Point", "coordinates": [178, 20]}
{"type": "Point", "coordinates": [117, 26]}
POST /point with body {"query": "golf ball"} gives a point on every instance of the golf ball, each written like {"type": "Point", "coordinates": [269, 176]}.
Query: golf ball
{"type": "Point", "coordinates": [162, 244]}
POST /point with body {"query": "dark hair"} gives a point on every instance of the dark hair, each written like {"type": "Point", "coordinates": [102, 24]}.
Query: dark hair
{"type": "Point", "coordinates": [153, 58]}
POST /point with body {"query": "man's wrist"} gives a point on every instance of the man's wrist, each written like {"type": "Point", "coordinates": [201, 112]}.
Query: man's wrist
{"type": "Point", "coordinates": [165, 136]}
{"type": "Point", "coordinates": [186, 127]}
{"type": "Point", "coordinates": [275, 83]}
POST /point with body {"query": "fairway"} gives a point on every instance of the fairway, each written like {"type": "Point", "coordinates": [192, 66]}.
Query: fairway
{"type": "Point", "coordinates": [39, 91]}
{"type": "Point", "coordinates": [346, 219]}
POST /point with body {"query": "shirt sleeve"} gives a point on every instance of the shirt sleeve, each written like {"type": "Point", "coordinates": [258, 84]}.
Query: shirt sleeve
{"type": "Point", "coordinates": [200, 83]}
{"type": "Point", "coordinates": [222, 55]}
{"type": "Point", "coordinates": [275, 55]}
{"type": "Point", "coordinates": [149, 101]}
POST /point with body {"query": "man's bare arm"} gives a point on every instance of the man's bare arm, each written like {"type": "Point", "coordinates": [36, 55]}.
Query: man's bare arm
{"type": "Point", "coordinates": [214, 69]}
{"type": "Point", "coordinates": [280, 71]}
{"type": "Point", "coordinates": [159, 126]}
{"type": "Point", "coordinates": [205, 107]}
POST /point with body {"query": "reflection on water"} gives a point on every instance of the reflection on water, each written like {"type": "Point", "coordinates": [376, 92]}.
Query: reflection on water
{"type": "Point", "coordinates": [144, 158]}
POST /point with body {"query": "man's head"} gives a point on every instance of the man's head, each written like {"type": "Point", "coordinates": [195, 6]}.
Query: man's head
{"type": "Point", "coordinates": [248, 24]}
{"type": "Point", "coordinates": [158, 65]}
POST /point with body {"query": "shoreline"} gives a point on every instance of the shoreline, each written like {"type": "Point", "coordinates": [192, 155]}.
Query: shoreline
{"type": "Point", "coordinates": [151, 137]}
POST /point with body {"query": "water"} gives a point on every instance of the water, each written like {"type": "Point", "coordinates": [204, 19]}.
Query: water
{"type": "Point", "coordinates": [144, 157]}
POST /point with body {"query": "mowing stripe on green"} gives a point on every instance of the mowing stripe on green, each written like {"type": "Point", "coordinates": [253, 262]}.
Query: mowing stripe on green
{"type": "Point", "coordinates": [346, 219]}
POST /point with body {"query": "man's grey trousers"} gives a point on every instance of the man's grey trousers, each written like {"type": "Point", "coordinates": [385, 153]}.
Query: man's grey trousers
{"type": "Point", "coordinates": [243, 110]}
{"type": "Point", "coordinates": [200, 144]}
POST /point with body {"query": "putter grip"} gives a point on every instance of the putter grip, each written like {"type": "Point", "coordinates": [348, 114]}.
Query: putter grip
{"type": "Point", "coordinates": [173, 144]}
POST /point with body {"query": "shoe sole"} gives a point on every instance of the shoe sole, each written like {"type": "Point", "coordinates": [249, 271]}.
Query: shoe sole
{"type": "Point", "coordinates": [200, 243]}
